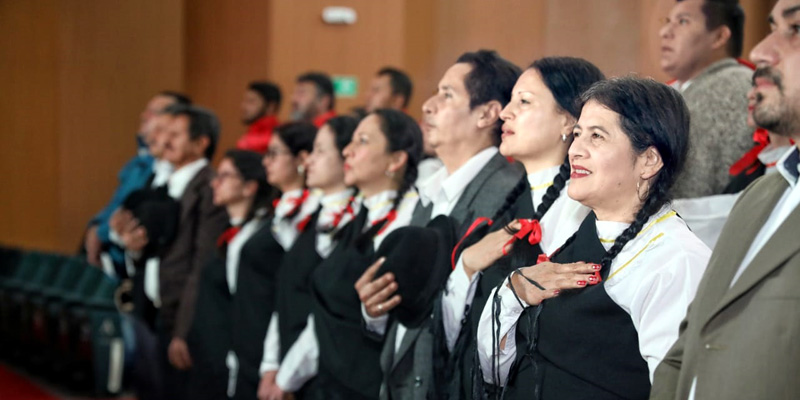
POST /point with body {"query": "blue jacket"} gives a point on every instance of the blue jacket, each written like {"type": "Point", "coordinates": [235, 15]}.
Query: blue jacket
{"type": "Point", "coordinates": [132, 176]}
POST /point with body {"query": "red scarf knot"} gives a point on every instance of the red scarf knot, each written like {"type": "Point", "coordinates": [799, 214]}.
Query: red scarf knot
{"type": "Point", "coordinates": [348, 209]}
{"type": "Point", "coordinates": [472, 227]}
{"type": "Point", "coordinates": [227, 236]}
{"type": "Point", "coordinates": [542, 258]}
{"type": "Point", "coordinates": [389, 218]}
{"type": "Point", "coordinates": [302, 225]}
{"type": "Point", "coordinates": [530, 228]}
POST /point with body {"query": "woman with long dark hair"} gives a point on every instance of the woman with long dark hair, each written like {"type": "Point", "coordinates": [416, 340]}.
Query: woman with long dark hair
{"type": "Point", "coordinates": [254, 296]}
{"type": "Point", "coordinates": [380, 161]}
{"type": "Point", "coordinates": [537, 132]}
{"type": "Point", "coordinates": [595, 319]}
{"type": "Point", "coordinates": [324, 167]}
{"type": "Point", "coordinates": [241, 187]}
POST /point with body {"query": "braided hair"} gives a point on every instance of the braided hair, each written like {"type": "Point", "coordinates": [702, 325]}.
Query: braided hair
{"type": "Point", "coordinates": [651, 115]}
{"type": "Point", "coordinates": [402, 134]}
{"type": "Point", "coordinates": [566, 78]}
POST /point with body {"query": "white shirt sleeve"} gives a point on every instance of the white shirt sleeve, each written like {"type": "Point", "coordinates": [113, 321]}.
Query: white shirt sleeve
{"type": "Point", "coordinates": [301, 362]}
{"type": "Point", "coordinates": [657, 303]}
{"type": "Point", "coordinates": [376, 325]}
{"type": "Point", "coordinates": [460, 292]}
{"type": "Point", "coordinates": [510, 311]}
{"type": "Point", "coordinates": [270, 361]}
{"type": "Point", "coordinates": [114, 237]}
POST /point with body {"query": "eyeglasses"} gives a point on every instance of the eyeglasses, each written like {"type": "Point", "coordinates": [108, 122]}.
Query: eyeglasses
{"type": "Point", "coordinates": [273, 153]}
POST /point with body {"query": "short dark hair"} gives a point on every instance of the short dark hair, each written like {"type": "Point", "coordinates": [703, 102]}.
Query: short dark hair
{"type": "Point", "coordinates": [202, 122]}
{"type": "Point", "coordinates": [492, 78]}
{"type": "Point", "coordinates": [298, 136]}
{"type": "Point", "coordinates": [269, 92]}
{"type": "Point", "coordinates": [400, 82]}
{"type": "Point", "coordinates": [178, 97]}
{"type": "Point", "coordinates": [730, 14]}
{"type": "Point", "coordinates": [323, 84]}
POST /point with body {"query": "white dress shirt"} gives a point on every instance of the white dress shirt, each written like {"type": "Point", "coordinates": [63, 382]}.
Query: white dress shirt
{"type": "Point", "coordinates": [443, 190]}
{"type": "Point", "coordinates": [285, 230]}
{"type": "Point", "coordinates": [234, 250]}
{"type": "Point", "coordinates": [789, 168]}
{"type": "Point", "coordinates": [653, 278]}
{"type": "Point", "coordinates": [302, 360]}
{"type": "Point", "coordinates": [333, 206]}
{"type": "Point", "coordinates": [558, 224]}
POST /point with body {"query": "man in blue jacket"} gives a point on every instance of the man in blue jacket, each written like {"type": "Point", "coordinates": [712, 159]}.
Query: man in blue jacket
{"type": "Point", "coordinates": [100, 238]}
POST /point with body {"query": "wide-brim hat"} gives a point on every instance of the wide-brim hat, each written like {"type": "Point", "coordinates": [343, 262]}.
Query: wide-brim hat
{"type": "Point", "coordinates": [419, 258]}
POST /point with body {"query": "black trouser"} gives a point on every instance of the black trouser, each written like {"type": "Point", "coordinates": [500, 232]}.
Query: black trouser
{"type": "Point", "coordinates": [147, 374]}
{"type": "Point", "coordinates": [175, 381]}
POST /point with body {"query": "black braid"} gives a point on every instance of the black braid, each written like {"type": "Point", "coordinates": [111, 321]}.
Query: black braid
{"type": "Point", "coordinates": [554, 191]}
{"type": "Point", "coordinates": [403, 134]}
{"type": "Point", "coordinates": [521, 187]}
{"type": "Point", "coordinates": [657, 197]}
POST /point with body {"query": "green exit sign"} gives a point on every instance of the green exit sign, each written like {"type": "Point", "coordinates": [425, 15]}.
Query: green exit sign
{"type": "Point", "coordinates": [345, 86]}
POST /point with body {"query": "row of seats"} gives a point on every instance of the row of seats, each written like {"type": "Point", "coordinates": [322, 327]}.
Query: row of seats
{"type": "Point", "coordinates": [58, 320]}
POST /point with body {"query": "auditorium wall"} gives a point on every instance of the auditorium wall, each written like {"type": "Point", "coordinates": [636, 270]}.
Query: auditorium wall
{"type": "Point", "coordinates": [76, 73]}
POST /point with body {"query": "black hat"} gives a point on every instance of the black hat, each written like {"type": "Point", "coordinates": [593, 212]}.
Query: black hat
{"type": "Point", "coordinates": [157, 213]}
{"type": "Point", "coordinates": [419, 258]}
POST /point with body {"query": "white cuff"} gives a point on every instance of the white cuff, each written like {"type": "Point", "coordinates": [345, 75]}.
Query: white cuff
{"type": "Point", "coordinates": [301, 362]}
{"type": "Point", "coordinates": [270, 361]}
{"type": "Point", "coordinates": [460, 292]}
{"type": "Point", "coordinates": [376, 325]}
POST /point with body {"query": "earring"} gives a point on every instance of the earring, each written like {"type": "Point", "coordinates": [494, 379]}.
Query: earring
{"type": "Point", "coordinates": [564, 138]}
{"type": "Point", "coordinates": [388, 173]}
{"type": "Point", "coordinates": [638, 191]}
{"type": "Point", "coordinates": [301, 169]}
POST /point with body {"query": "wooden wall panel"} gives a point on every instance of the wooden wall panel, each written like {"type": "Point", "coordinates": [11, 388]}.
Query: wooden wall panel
{"type": "Point", "coordinates": [29, 155]}
{"type": "Point", "coordinates": [598, 31]}
{"type": "Point", "coordinates": [226, 47]}
{"type": "Point", "coordinates": [115, 55]}
{"type": "Point", "coordinates": [300, 41]}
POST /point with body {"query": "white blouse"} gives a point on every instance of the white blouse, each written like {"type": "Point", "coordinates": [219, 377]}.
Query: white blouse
{"type": "Point", "coordinates": [333, 206]}
{"type": "Point", "coordinates": [286, 231]}
{"type": "Point", "coordinates": [558, 224]}
{"type": "Point", "coordinates": [653, 278]}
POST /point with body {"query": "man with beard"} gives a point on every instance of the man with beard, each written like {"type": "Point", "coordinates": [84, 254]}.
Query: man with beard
{"type": "Point", "coordinates": [700, 41]}
{"type": "Point", "coordinates": [739, 338]}
{"type": "Point", "coordinates": [313, 99]}
{"type": "Point", "coordinates": [260, 106]}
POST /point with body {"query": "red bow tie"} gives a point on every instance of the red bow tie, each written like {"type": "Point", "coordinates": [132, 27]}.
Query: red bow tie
{"type": "Point", "coordinates": [227, 236]}
{"type": "Point", "coordinates": [297, 203]}
{"type": "Point", "coordinates": [337, 218]}
{"type": "Point", "coordinates": [530, 228]}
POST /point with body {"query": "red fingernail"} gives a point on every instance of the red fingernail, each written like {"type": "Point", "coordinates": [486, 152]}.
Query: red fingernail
{"type": "Point", "coordinates": [592, 280]}
{"type": "Point", "coordinates": [556, 292]}
{"type": "Point", "coordinates": [596, 267]}
{"type": "Point", "coordinates": [581, 283]}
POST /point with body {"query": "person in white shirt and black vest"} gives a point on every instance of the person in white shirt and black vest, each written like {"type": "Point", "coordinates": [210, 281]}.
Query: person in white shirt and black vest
{"type": "Point", "coordinates": [241, 187]}
{"type": "Point", "coordinates": [286, 367]}
{"type": "Point", "coordinates": [592, 320]}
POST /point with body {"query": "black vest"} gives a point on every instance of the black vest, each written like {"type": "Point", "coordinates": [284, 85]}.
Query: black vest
{"type": "Point", "coordinates": [582, 345]}
{"type": "Point", "coordinates": [349, 361]}
{"type": "Point", "coordinates": [253, 305]}
{"type": "Point", "coordinates": [294, 302]}
{"type": "Point", "coordinates": [209, 338]}
{"type": "Point", "coordinates": [523, 254]}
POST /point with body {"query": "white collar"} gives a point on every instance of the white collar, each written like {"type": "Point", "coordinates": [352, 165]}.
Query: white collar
{"type": "Point", "coordinates": [540, 181]}
{"type": "Point", "coordinates": [336, 200]}
{"type": "Point", "coordinates": [789, 167]}
{"type": "Point", "coordinates": [286, 203]}
{"type": "Point", "coordinates": [180, 179]}
{"type": "Point", "coordinates": [608, 231]}
{"type": "Point", "coordinates": [379, 205]}
{"type": "Point", "coordinates": [452, 185]}
{"type": "Point", "coordinates": [162, 169]}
